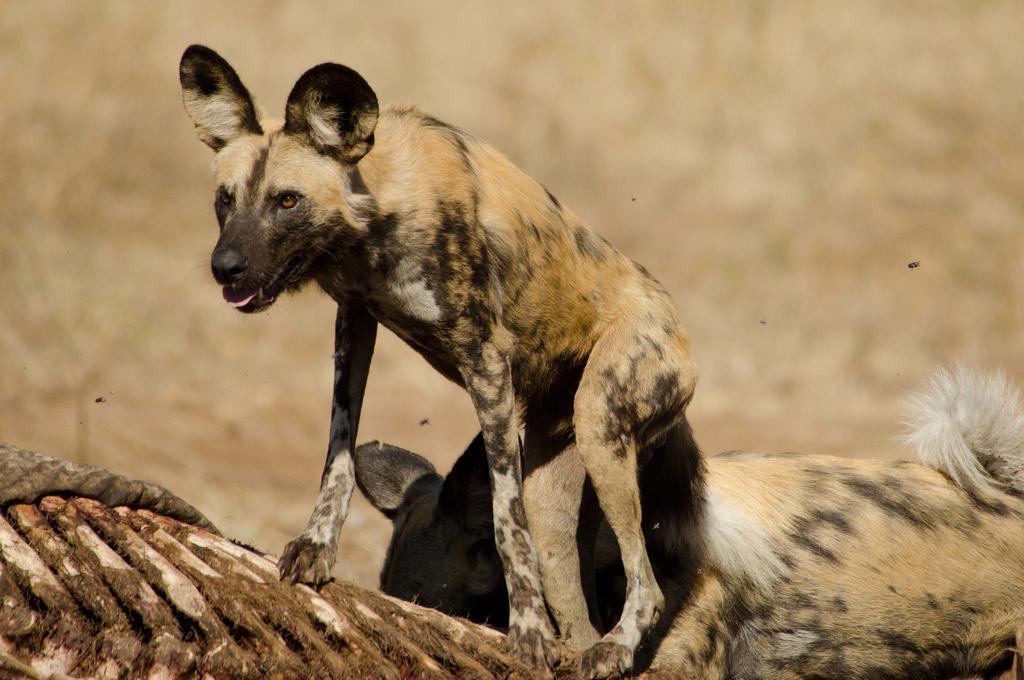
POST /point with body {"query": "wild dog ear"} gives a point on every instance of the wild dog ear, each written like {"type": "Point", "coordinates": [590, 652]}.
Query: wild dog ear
{"type": "Point", "coordinates": [332, 108]}
{"type": "Point", "coordinates": [215, 98]}
{"type": "Point", "coordinates": [391, 477]}
{"type": "Point", "coordinates": [466, 492]}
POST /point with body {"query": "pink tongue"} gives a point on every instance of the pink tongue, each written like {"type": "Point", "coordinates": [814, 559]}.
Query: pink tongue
{"type": "Point", "coordinates": [238, 298]}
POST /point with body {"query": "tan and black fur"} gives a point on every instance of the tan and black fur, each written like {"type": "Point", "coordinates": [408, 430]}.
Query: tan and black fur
{"type": "Point", "coordinates": [413, 224]}
{"type": "Point", "coordinates": [810, 567]}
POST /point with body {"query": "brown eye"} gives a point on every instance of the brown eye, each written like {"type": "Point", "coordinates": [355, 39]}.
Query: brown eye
{"type": "Point", "coordinates": [224, 197]}
{"type": "Point", "coordinates": [288, 201]}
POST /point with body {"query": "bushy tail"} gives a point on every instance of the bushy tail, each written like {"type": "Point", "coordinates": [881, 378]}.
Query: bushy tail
{"type": "Point", "coordinates": [969, 425]}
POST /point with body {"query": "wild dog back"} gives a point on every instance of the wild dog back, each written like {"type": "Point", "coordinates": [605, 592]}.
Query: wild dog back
{"type": "Point", "coordinates": [889, 570]}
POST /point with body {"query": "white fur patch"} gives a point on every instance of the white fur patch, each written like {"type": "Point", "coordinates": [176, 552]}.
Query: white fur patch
{"type": "Point", "coordinates": [737, 543]}
{"type": "Point", "coordinates": [969, 425]}
{"type": "Point", "coordinates": [506, 489]}
{"type": "Point", "coordinates": [410, 291]}
{"type": "Point", "coordinates": [216, 116]}
{"type": "Point", "coordinates": [321, 125]}
{"type": "Point", "coordinates": [627, 631]}
{"type": "Point", "coordinates": [361, 205]}
{"type": "Point", "coordinates": [521, 566]}
{"type": "Point", "coordinates": [794, 644]}
{"type": "Point", "coordinates": [332, 502]}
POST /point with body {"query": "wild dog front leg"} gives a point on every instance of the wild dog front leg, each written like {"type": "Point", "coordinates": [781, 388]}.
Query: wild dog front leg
{"type": "Point", "coordinates": [309, 558]}
{"type": "Point", "coordinates": [489, 383]}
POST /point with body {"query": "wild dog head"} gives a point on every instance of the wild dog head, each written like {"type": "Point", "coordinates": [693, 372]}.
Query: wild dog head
{"type": "Point", "coordinates": [281, 189]}
{"type": "Point", "coordinates": [442, 551]}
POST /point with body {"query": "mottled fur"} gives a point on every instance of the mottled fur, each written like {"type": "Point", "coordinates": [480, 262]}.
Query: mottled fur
{"type": "Point", "coordinates": [413, 224]}
{"type": "Point", "coordinates": [813, 566]}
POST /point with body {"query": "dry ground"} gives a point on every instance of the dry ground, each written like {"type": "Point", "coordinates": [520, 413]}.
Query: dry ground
{"type": "Point", "coordinates": [777, 165]}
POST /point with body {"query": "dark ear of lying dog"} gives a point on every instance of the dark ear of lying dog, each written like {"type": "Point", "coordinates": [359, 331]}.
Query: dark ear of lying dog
{"type": "Point", "coordinates": [442, 552]}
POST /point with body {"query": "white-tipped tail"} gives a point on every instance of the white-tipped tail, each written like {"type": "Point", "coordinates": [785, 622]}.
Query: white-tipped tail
{"type": "Point", "coordinates": [969, 425]}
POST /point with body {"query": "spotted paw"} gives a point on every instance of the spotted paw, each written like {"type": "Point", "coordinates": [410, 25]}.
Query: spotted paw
{"type": "Point", "coordinates": [535, 646]}
{"type": "Point", "coordinates": [306, 561]}
{"type": "Point", "coordinates": [606, 659]}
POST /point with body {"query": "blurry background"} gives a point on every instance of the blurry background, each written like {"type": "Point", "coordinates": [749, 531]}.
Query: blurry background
{"type": "Point", "coordinates": [776, 165]}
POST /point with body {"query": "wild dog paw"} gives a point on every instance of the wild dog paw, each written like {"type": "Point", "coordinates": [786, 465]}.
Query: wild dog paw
{"type": "Point", "coordinates": [306, 561]}
{"type": "Point", "coordinates": [606, 659]}
{"type": "Point", "coordinates": [533, 645]}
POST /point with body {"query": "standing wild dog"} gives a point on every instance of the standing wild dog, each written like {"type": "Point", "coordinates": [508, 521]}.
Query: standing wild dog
{"type": "Point", "coordinates": [812, 566]}
{"type": "Point", "coordinates": [411, 223]}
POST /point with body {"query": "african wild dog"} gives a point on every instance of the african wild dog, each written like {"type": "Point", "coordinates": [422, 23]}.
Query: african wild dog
{"type": "Point", "coordinates": [814, 567]}
{"type": "Point", "coordinates": [411, 223]}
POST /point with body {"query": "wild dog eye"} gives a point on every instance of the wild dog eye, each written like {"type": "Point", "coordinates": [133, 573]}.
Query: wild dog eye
{"type": "Point", "coordinates": [287, 201]}
{"type": "Point", "coordinates": [224, 197]}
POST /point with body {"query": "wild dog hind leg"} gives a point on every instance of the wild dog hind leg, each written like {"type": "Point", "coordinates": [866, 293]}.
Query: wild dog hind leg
{"type": "Point", "coordinates": [309, 558]}
{"type": "Point", "coordinates": [488, 380]}
{"type": "Point", "coordinates": [636, 385]}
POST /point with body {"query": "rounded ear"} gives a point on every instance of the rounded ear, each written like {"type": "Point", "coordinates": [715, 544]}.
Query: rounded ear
{"type": "Point", "coordinates": [215, 98]}
{"type": "Point", "coordinates": [391, 477]}
{"type": "Point", "coordinates": [334, 110]}
{"type": "Point", "coordinates": [466, 492]}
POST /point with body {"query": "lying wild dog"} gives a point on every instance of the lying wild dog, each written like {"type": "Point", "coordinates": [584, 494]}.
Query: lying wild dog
{"type": "Point", "coordinates": [411, 223]}
{"type": "Point", "coordinates": [811, 566]}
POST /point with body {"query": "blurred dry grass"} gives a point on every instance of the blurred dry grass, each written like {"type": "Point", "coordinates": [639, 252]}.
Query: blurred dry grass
{"type": "Point", "coordinates": [776, 165]}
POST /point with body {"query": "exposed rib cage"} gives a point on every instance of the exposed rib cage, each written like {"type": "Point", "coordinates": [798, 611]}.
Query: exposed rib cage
{"type": "Point", "coordinates": [92, 591]}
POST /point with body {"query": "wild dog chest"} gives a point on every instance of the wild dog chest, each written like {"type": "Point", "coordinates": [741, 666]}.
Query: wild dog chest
{"type": "Point", "coordinates": [423, 340]}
